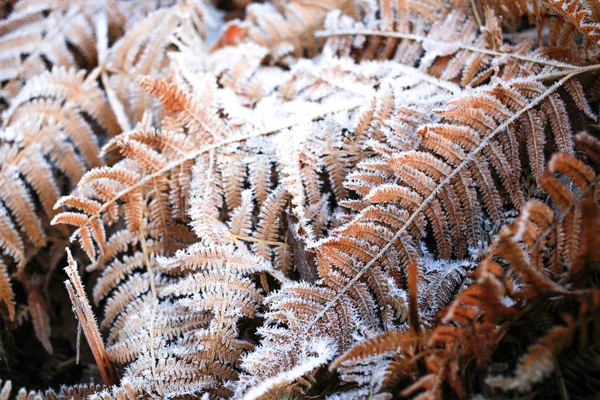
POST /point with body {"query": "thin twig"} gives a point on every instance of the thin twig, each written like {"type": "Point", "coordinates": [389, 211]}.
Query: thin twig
{"type": "Point", "coordinates": [566, 211]}
{"type": "Point", "coordinates": [476, 14]}
{"type": "Point", "coordinates": [273, 272]}
{"type": "Point", "coordinates": [256, 240]}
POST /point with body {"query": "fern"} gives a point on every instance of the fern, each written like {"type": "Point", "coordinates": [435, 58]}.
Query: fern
{"type": "Point", "coordinates": [334, 199]}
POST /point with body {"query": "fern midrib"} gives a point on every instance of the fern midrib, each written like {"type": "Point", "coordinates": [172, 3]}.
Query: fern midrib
{"type": "Point", "coordinates": [191, 156]}
{"type": "Point", "coordinates": [146, 256]}
{"type": "Point", "coordinates": [424, 39]}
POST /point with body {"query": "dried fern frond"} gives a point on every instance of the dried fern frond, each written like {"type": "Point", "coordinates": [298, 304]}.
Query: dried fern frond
{"type": "Point", "coordinates": [86, 317]}
{"type": "Point", "coordinates": [467, 147]}
{"type": "Point", "coordinates": [159, 156]}
{"type": "Point", "coordinates": [214, 279]}
{"type": "Point", "coordinates": [575, 16]}
{"type": "Point", "coordinates": [74, 392]}
{"type": "Point", "coordinates": [470, 143]}
{"type": "Point", "coordinates": [39, 318]}
{"type": "Point", "coordinates": [405, 342]}
{"type": "Point", "coordinates": [393, 189]}
{"type": "Point", "coordinates": [101, 188]}
{"type": "Point", "coordinates": [540, 359]}
{"type": "Point", "coordinates": [144, 49]}
{"type": "Point", "coordinates": [517, 274]}
{"type": "Point", "coordinates": [455, 46]}
{"type": "Point", "coordinates": [298, 355]}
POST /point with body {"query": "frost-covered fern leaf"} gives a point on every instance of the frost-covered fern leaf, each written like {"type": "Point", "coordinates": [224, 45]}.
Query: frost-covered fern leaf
{"type": "Point", "coordinates": [129, 189]}
{"type": "Point", "coordinates": [298, 355]}
{"type": "Point", "coordinates": [77, 392]}
{"type": "Point", "coordinates": [194, 131]}
{"type": "Point", "coordinates": [431, 172]}
{"type": "Point", "coordinates": [48, 141]}
{"type": "Point", "coordinates": [41, 33]}
{"type": "Point", "coordinates": [211, 279]}
{"type": "Point", "coordinates": [447, 42]}
{"type": "Point", "coordinates": [576, 17]}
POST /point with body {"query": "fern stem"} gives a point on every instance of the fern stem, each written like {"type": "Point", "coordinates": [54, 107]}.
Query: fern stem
{"type": "Point", "coordinates": [556, 75]}
{"type": "Point", "coordinates": [115, 104]}
{"type": "Point", "coordinates": [476, 14]}
{"type": "Point", "coordinates": [540, 239]}
{"type": "Point", "coordinates": [423, 39]}
{"type": "Point", "coordinates": [146, 256]}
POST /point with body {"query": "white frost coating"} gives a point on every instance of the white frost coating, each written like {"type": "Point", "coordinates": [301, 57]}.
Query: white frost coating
{"type": "Point", "coordinates": [325, 350]}
{"type": "Point", "coordinates": [441, 48]}
{"type": "Point", "coordinates": [507, 301]}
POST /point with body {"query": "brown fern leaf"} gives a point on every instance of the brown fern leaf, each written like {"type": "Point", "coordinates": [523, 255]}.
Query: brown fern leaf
{"type": "Point", "coordinates": [532, 123]}
{"type": "Point", "coordinates": [576, 16]}
{"type": "Point", "coordinates": [6, 293]}
{"type": "Point", "coordinates": [446, 42]}
{"type": "Point", "coordinates": [554, 108]}
{"type": "Point", "coordinates": [588, 143]}
{"type": "Point", "coordinates": [403, 342]}
{"type": "Point", "coordinates": [39, 318]}
{"type": "Point", "coordinates": [540, 359]}
{"type": "Point", "coordinates": [360, 261]}
{"type": "Point", "coordinates": [143, 50]}
{"type": "Point", "coordinates": [147, 152]}
{"type": "Point", "coordinates": [579, 238]}
{"type": "Point", "coordinates": [160, 158]}
{"type": "Point", "coordinates": [512, 281]}
{"type": "Point", "coordinates": [403, 186]}
{"type": "Point", "coordinates": [197, 115]}
{"type": "Point", "coordinates": [373, 229]}
{"type": "Point", "coordinates": [76, 392]}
